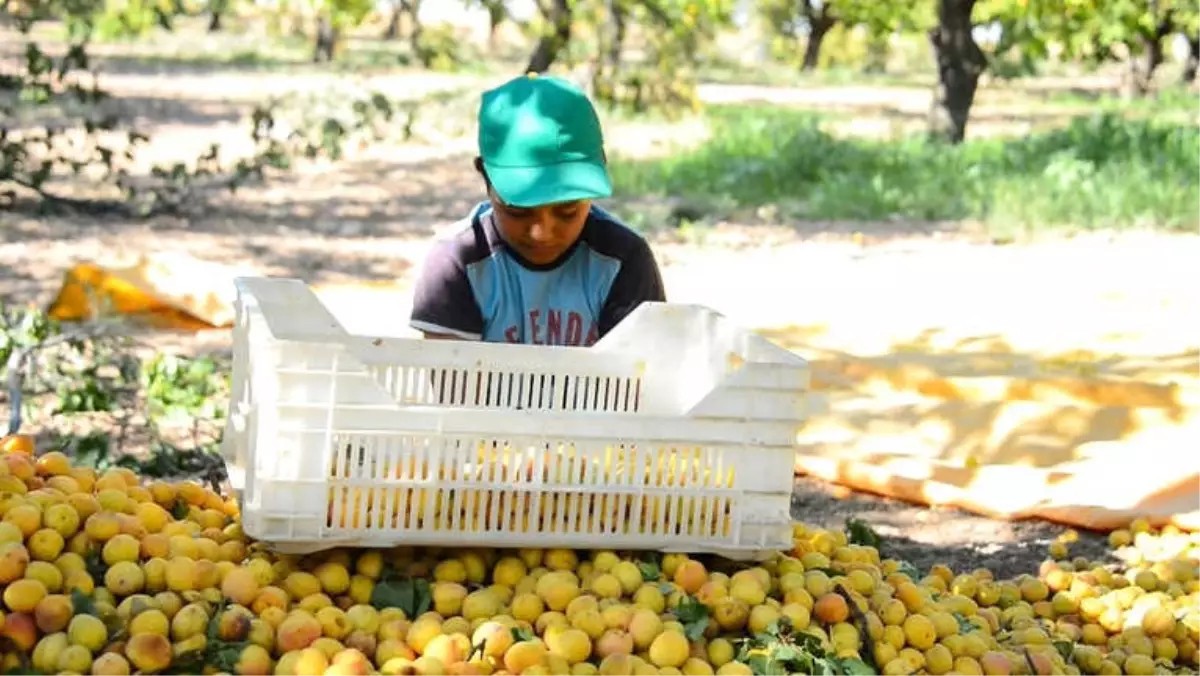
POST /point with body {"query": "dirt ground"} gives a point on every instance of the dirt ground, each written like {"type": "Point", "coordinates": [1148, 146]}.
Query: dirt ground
{"type": "Point", "coordinates": [924, 536]}
{"type": "Point", "coordinates": [372, 216]}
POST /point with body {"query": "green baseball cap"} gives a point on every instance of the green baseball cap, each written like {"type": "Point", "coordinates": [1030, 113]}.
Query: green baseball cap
{"type": "Point", "coordinates": [541, 143]}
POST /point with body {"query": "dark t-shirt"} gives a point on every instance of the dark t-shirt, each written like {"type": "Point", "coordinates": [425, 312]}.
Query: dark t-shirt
{"type": "Point", "coordinates": [475, 286]}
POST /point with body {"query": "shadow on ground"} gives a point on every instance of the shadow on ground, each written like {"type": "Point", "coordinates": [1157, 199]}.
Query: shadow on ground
{"type": "Point", "coordinates": [924, 536]}
{"type": "Point", "coordinates": [359, 221]}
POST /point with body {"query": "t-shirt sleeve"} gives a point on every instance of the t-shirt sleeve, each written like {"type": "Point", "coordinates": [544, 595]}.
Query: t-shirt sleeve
{"type": "Point", "coordinates": [443, 302]}
{"type": "Point", "coordinates": [639, 280]}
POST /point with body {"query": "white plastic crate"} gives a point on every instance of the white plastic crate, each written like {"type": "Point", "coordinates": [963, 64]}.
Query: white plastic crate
{"type": "Point", "coordinates": [675, 432]}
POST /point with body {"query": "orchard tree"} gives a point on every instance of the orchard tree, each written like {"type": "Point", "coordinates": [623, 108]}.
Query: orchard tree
{"type": "Point", "coordinates": [556, 17]}
{"type": "Point", "coordinates": [960, 63]}
{"type": "Point", "coordinates": [1099, 31]}
{"type": "Point", "coordinates": [334, 17]}
{"type": "Point", "coordinates": [794, 19]}
{"type": "Point", "coordinates": [217, 9]}
{"type": "Point", "coordinates": [1191, 33]}
{"type": "Point", "coordinates": [1186, 20]}
{"type": "Point", "coordinates": [497, 13]}
{"type": "Point", "coordinates": [674, 34]}
{"type": "Point", "coordinates": [401, 8]}
{"type": "Point", "coordinates": [812, 20]}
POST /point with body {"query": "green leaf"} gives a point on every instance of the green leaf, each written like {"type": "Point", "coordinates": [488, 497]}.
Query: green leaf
{"type": "Point", "coordinates": [695, 630]}
{"type": "Point", "coordinates": [909, 570]}
{"type": "Point", "coordinates": [765, 666]}
{"type": "Point", "coordinates": [1065, 648]}
{"type": "Point", "coordinates": [859, 533]}
{"type": "Point", "coordinates": [808, 643]}
{"type": "Point", "coordinates": [787, 653]}
{"type": "Point", "coordinates": [650, 566]}
{"type": "Point", "coordinates": [855, 667]}
{"type": "Point", "coordinates": [964, 624]}
{"type": "Point", "coordinates": [693, 615]}
{"type": "Point", "coordinates": [521, 634]}
{"type": "Point", "coordinates": [224, 655]}
{"type": "Point", "coordinates": [81, 604]}
{"type": "Point", "coordinates": [96, 567]}
{"type": "Point", "coordinates": [413, 596]}
{"type": "Point", "coordinates": [690, 610]}
{"type": "Point", "coordinates": [822, 666]}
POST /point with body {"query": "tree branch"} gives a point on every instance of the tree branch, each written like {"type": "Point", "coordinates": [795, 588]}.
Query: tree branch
{"type": "Point", "coordinates": [17, 360]}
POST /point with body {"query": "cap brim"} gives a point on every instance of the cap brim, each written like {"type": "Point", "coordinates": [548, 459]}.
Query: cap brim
{"type": "Point", "coordinates": [551, 184]}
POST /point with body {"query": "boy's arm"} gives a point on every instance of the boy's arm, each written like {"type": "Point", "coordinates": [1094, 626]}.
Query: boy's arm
{"type": "Point", "coordinates": [638, 281]}
{"type": "Point", "coordinates": [443, 305]}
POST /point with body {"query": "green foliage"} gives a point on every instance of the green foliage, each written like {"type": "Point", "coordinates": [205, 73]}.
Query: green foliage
{"type": "Point", "coordinates": [412, 595]}
{"type": "Point", "coordinates": [439, 49]}
{"type": "Point", "coordinates": [650, 566]}
{"type": "Point", "coordinates": [178, 389]}
{"type": "Point", "coordinates": [1085, 30]}
{"type": "Point", "coordinates": [215, 652]}
{"type": "Point", "coordinates": [127, 19]}
{"type": "Point", "coordinates": [783, 650]}
{"type": "Point", "coordinates": [90, 387]}
{"type": "Point", "coordinates": [844, 46]}
{"type": "Point", "coordinates": [1099, 171]}
{"type": "Point", "coordinates": [693, 615]}
{"type": "Point", "coordinates": [790, 22]}
{"type": "Point", "coordinates": [859, 532]}
{"type": "Point", "coordinates": [676, 34]}
{"type": "Point", "coordinates": [67, 137]}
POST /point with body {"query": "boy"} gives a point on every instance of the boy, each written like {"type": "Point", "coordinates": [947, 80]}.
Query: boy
{"type": "Point", "coordinates": [537, 263]}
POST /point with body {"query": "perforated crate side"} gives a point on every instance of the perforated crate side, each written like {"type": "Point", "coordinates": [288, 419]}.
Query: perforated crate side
{"type": "Point", "coordinates": [362, 452]}
{"type": "Point", "coordinates": [389, 489]}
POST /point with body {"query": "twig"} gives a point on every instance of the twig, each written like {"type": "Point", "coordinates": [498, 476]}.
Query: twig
{"type": "Point", "coordinates": [50, 199]}
{"type": "Point", "coordinates": [1029, 661]}
{"type": "Point", "coordinates": [860, 620]}
{"type": "Point", "coordinates": [17, 362]}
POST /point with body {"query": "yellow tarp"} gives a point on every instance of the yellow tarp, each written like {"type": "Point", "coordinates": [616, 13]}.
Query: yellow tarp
{"type": "Point", "coordinates": [169, 291]}
{"type": "Point", "coordinates": [1083, 439]}
{"type": "Point", "coordinates": [1091, 443]}
{"type": "Point", "coordinates": [178, 292]}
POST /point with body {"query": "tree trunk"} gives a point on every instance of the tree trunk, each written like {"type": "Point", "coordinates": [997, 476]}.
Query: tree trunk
{"type": "Point", "coordinates": [413, 9]}
{"type": "Point", "coordinates": [878, 48]}
{"type": "Point", "coordinates": [549, 46]}
{"type": "Point", "coordinates": [1146, 60]}
{"type": "Point", "coordinates": [216, 12]}
{"type": "Point", "coordinates": [960, 63]}
{"type": "Point", "coordinates": [392, 30]}
{"type": "Point", "coordinates": [163, 19]}
{"type": "Point", "coordinates": [616, 45]}
{"type": "Point", "coordinates": [497, 13]}
{"type": "Point", "coordinates": [819, 27]}
{"type": "Point", "coordinates": [1193, 59]}
{"type": "Point", "coordinates": [326, 43]}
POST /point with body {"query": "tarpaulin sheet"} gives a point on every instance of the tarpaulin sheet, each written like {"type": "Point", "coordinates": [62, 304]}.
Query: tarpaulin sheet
{"type": "Point", "coordinates": [173, 291]}
{"type": "Point", "coordinates": [1090, 450]}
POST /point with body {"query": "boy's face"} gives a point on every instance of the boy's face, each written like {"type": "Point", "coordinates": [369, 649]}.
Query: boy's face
{"type": "Point", "coordinates": [543, 233]}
